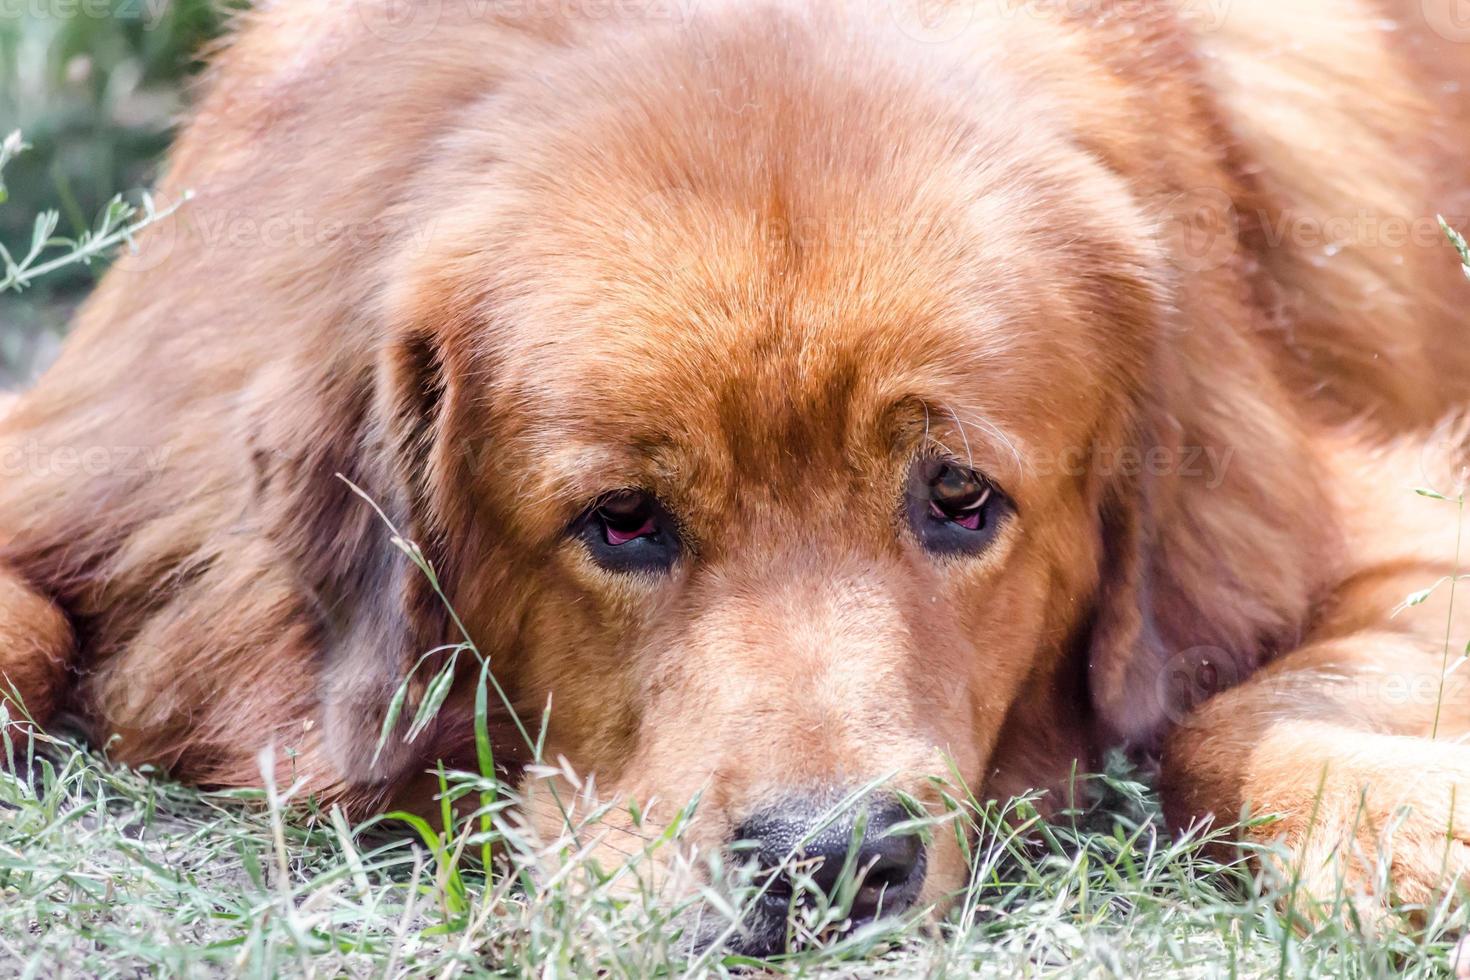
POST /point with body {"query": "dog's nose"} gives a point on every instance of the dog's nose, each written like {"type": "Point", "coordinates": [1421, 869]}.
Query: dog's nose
{"type": "Point", "coordinates": [800, 841]}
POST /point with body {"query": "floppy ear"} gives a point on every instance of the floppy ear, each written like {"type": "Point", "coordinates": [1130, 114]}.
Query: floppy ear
{"type": "Point", "coordinates": [1126, 652]}
{"type": "Point", "coordinates": [383, 614]}
{"type": "Point", "coordinates": [370, 450]}
{"type": "Point", "coordinates": [1211, 552]}
{"type": "Point", "coordinates": [413, 446]}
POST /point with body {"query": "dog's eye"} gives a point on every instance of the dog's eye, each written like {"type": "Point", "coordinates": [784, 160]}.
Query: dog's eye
{"type": "Point", "coordinates": [953, 509]}
{"type": "Point", "coordinates": [629, 531]}
{"type": "Point", "coordinates": [625, 516]}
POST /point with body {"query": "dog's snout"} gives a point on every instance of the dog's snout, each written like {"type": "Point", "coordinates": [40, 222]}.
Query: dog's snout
{"type": "Point", "coordinates": [802, 846]}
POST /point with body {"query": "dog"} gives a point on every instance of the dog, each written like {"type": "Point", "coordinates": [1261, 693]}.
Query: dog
{"type": "Point", "coordinates": [785, 397]}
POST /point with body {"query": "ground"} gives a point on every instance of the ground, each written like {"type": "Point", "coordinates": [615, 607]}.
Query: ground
{"type": "Point", "coordinates": [109, 872]}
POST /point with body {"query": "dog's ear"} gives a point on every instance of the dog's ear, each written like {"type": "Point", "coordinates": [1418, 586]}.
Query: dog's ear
{"type": "Point", "coordinates": [1125, 652]}
{"type": "Point", "coordinates": [373, 484]}
{"type": "Point", "coordinates": [413, 450]}
{"type": "Point", "coordinates": [384, 614]}
{"type": "Point", "coordinates": [1213, 539]}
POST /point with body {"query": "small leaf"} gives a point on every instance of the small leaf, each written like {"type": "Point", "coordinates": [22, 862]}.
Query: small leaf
{"type": "Point", "coordinates": [431, 838]}
{"type": "Point", "coordinates": [12, 146]}
{"type": "Point", "coordinates": [390, 719]}
{"type": "Point", "coordinates": [433, 699]}
{"type": "Point", "coordinates": [1419, 598]}
{"type": "Point", "coordinates": [484, 751]}
{"type": "Point", "coordinates": [42, 230]}
{"type": "Point", "coordinates": [115, 214]}
{"type": "Point", "coordinates": [1458, 240]}
{"type": "Point", "coordinates": [485, 757]}
{"type": "Point", "coordinates": [1431, 494]}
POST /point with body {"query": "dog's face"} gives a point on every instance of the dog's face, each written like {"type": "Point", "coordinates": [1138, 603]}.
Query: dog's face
{"type": "Point", "coordinates": [784, 420]}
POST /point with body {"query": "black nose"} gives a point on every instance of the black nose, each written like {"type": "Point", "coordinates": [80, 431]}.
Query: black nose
{"type": "Point", "coordinates": [804, 843]}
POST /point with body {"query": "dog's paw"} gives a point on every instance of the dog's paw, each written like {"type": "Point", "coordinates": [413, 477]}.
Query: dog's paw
{"type": "Point", "coordinates": [1383, 828]}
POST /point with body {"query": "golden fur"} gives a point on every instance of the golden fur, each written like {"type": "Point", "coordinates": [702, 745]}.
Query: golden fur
{"type": "Point", "coordinates": [755, 257]}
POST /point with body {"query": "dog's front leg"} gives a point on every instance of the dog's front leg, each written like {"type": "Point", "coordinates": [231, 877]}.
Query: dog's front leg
{"type": "Point", "coordinates": [1357, 743]}
{"type": "Point", "coordinates": [1358, 740]}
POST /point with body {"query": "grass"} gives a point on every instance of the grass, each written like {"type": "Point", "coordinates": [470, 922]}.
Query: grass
{"type": "Point", "coordinates": [109, 872]}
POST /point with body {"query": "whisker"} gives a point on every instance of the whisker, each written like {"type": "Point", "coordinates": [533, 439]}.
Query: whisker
{"type": "Point", "coordinates": [994, 431]}
{"type": "Point", "coordinates": [969, 456]}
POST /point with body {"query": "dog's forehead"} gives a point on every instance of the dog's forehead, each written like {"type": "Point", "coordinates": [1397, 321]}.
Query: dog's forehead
{"type": "Point", "coordinates": [783, 278]}
{"type": "Point", "coordinates": [762, 354]}
{"type": "Point", "coordinates": [786, 323]}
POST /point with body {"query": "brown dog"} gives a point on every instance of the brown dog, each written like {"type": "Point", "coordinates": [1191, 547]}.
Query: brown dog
{"type": "Point", "coordinates": [795, 394]}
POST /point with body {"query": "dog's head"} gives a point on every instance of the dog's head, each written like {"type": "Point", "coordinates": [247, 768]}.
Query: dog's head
{"type": "Point", "coordinates": [748, 396]}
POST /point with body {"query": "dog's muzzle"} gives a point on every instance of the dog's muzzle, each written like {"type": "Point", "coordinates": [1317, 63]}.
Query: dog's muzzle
{"type": "Point", "coordinates": [804, 853]}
